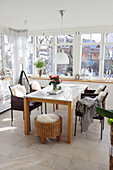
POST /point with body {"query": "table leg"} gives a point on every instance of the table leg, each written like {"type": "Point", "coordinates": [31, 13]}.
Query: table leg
{"type": "Point", "coordinates": [26, 116]}
{"type": "Point", "coordinates": [56, 106]}
{"type": "Point", "coordinates": [69, 128]}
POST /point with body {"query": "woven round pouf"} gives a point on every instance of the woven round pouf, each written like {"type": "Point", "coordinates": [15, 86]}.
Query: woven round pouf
{"type": "Point", "coordinates": [48, 125]}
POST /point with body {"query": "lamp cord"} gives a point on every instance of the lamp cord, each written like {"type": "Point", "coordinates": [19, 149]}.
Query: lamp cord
{"type": "Point", "coordinates": [62, 14]}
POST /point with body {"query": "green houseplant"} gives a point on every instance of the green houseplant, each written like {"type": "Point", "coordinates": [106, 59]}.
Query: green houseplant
{"type": "Point", "coordinates": [109, 115]}
{"type": "Point", "coordinates": [106, 113]}
{"type": "Point", "coordinates": [39, 64]}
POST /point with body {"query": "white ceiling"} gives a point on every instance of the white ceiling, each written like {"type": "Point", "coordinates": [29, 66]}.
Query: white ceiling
{"type": "Point", "coordinates": [43, 14]}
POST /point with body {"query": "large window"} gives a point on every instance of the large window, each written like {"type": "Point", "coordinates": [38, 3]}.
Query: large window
{"type": "Point", "coordinates": [90, 53]}
{"type": "Point", "coordinates": [7, 59]}
{"type": "Point", "coordinates": [30, 59]}
{"type": "Point", "coordinates": [108, 54]}
{"type": "Point", "coordinates": [0, 52]}
{"type": "Point", "coordinates": [65, 43]}
{"type": "Point", "coordinates": [44, 50]}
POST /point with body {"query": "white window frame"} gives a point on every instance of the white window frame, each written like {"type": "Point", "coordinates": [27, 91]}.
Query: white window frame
{"type": "Point", "coordinates": [91, 31]}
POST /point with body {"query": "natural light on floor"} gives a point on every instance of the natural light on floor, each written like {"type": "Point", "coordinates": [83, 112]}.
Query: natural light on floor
{"type": "Point", "coordinates": [7, 128]}
{"type": "Point", "coordinates": [6, 119]}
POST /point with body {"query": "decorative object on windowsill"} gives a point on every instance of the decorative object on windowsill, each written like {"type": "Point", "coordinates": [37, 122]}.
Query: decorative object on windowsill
{"type": "Point", "coordinates": [109, 74]}
{"type": "Point", "coordinates": [77, 77]}
{"type": "Point", "coordinates": [55, 80]}
{"type": "Point", "coordinates": [90, 76]}
{"type": "Point", "coordinates": [106, 75]}
{"type": "Point", "coordinates": [39, 64]}
{"type": "Point", "coordinates": [61, 57]}
{"type": "Point", "coordinates": [3, 74]}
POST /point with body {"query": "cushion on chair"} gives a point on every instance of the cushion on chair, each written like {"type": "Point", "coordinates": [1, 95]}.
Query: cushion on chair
{"type": "Point", "coordinates": [48, 118]}
{"type": "Point", "coordinates": [99, 89]}
{"type": "Point", "coordinates": [35, 85]}
{"type": "Point", "coordinates": [101, 96]}
{"type": "Point", "coordinates": [19, 90]}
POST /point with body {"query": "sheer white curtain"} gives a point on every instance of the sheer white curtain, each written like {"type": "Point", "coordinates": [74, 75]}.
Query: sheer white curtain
{"type": "Point", "coordinates": [18, 48]}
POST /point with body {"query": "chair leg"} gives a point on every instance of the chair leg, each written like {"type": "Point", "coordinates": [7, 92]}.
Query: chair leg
{"type": "Point", "coordinates": [29, 121]}
{"type": "Point", "coordinates": [81, 124]}
{"type": "Point", "coordinates": [53, 107]}
{"type": "Point", "coordinates": [103, 123]}
{"type": "Point", "coordinates": [23, 115]}
{"type": "Point", "coordinates": [101, 129]}
{"type": "Point", "coordinates": [75, 125]}
{"type": "Point", "coordinates": [11, 117]}
{"type": "Point", "coordinates": [79, 118]}
{"type": "Point", "coordinates": [45, 108]}
{"type": "Point", "coordinates": [41, 110]}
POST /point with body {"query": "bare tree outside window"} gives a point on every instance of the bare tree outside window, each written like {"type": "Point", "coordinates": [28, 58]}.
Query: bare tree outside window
{"type": "Point", "coordinates": [108, 55]}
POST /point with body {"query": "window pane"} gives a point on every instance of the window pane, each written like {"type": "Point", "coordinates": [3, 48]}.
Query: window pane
{"type": "Point", "coordinates": [85, 38]}
{"type": "Point", "coordinates": [66, 69]}
{"type": "Point", "coordinates": [65, 39]}
{"type": "Point", "coordinates": [90, 59]}
{"type": "Point", "coordinates": [20, 52]}
{"type": "Point", "coordinates": [30, 40]}
{"type": "Point", "coordinates": [69, 38]}
{"type": "Point", "coordinates": [0, 38]}
{"type": "Point", "coordinates": [96, 38]}
{"type": "Point", "coordinates": [30, 60]}
{"type": "Point", "coordinates": [45, 53]}
{"type": "Point", "coordinates": [109, 37]}
{"type": "Point", "coordinates": [44, 39]}
{"type": "Point", "coordinates": [6, 39]}
{"type": "Point", "coordinates": [108, 59]}
{"type": "Point", "coordinates": [60, 39]}
{"type": "Point", "coordinates": [8, 62]}
{"type": "Point", "coordinates": [0, 57]}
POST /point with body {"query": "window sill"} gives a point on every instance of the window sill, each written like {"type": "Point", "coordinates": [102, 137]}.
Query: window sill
{"type": "Point", "coordinates": [93, 80]}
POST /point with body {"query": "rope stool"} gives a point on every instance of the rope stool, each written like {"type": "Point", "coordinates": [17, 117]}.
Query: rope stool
{"type": "Point", "coordinates": [48, 125]}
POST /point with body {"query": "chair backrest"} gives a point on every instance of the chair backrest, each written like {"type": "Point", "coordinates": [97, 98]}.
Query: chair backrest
{"type": "Point", "coordinates": [103, 101]}
{"type": "Point", "coordinates": [99, 89]}
{"type": "Point", "coordinates": [12, 87]}
{"type": "Point", "coordinates": [92, 95]}
{"type": "Point", "coordinates": [16, 102]}
{"type": "Point", "coordinates": [17, 90]}
{"type": "Point", "coordinates": [104, 88]}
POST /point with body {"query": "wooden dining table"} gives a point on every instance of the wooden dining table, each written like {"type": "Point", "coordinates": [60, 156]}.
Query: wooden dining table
{"type": "Point", "coordinates": [67, 96]}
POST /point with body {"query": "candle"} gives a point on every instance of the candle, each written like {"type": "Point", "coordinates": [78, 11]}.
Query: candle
{"type": "Point", "coordinates": [109, 71]}
{"type": "Point", "coordinates": [90, 76]}
{"type": "Point", "coordinates": [106, 71]}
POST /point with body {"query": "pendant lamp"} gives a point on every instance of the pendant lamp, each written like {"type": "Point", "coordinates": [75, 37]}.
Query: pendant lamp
{"type": "Point", "coordinates": [61, 57]}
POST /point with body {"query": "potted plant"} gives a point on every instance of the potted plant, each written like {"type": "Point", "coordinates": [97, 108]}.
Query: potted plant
{"type": "Point", "coordinates": [109, 115]}
{"type": "Point", "coordinates": [40, 64]}
{"type": "Point", "coordinates": [106, 113]}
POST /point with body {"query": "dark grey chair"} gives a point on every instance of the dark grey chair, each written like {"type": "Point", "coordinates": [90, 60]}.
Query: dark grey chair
{"type": "Point", "coordinates": [17, 103]}
{"type": "Point", "coordinates": [98, 117]}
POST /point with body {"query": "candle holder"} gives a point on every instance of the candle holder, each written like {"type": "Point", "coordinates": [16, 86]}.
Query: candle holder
{"type": "Point", "coordinates": [106, 76]}
{"type": "Point", "coordinates": [110, 77]}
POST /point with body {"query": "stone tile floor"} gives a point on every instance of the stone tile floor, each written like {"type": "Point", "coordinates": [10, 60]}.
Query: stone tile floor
{"type": "Point", "coordinates": [26, 152]}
